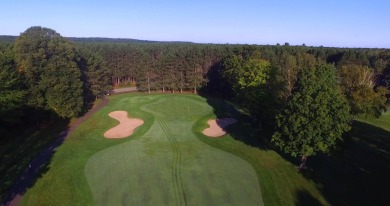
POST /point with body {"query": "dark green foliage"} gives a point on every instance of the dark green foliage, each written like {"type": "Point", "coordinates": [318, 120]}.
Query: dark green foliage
{"type": "Point", "coordinates": [158, 66]}
{"type": "Point", "coordinates": [316, 115]}
{"type": "Point", "coordinates": [12, 95]}
{"type": "Point", "coordinates": [57, 77]}
{"type": "Point", "coordinates": [385, 81]}
{"type": "Point", "coordinates": [96, 75]}
{"type": "Point", "coordinates": [248, 77]}
{"type": "Point", "coordinates": [179, 67]}
{"type": "Point", "coordinates": [48, 64]}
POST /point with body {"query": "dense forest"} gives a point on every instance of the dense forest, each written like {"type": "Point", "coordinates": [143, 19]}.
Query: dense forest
{"type": "Point", "coordinates": [44, 76]}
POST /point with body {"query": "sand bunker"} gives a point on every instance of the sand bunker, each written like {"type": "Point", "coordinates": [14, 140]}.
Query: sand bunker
{"type": "Point", "coordinates": [217, 126]}
{"type": "Point", "coordinates": [126, 125]}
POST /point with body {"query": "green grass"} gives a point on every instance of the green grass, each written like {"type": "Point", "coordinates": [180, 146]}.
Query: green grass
{"type": "Point", "coordinates": [280, 181]}
{"type": "Point", "coordinates": [163, 163]}
{"type": "Point", "coordinates": [168, 165]}
{"type": "Point", "coordinates": [65, 183]}
{"type": "Point", "coordinates": [382, 122]}
{"type": "Point", "coordinates": [23, 146]}
{"type": "Point", "coordinates": [358, 174]}
{"type": "Point", "coordinates": [169, 161]}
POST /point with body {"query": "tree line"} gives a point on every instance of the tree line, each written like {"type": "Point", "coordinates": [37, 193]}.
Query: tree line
{"type": "Point", "coordinates": [307, 94]}
{"type": "Point", "coordinates": [138, 61]}
{"type": "Point", "coordinates": [44, 76]}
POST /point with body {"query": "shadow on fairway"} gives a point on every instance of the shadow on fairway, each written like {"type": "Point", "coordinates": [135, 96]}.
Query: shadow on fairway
{"type": "Point", "coordinates": [358, 173]}
{"type": "Point", "coordinates": [36, 150]}
{"type": "Point", "coordinates": [244, 130]}
{"type": "Point", "coordinates": [304, 198]}
{"type": "Point", "coordinates": [17, 176]}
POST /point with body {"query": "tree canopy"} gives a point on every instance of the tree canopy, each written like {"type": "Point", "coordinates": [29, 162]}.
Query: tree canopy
{"type": "Point", "coordinates": [315, 116]}
{"type": "Point", "coordinates": [64, 75]}
{"type": "Point", "coordinates": [248, 78]}
{"type": "Point", "coordinates": [48, 63]}
{"type": "Point", "coordinates": [12, 94]}
{"type": "Point", "coordinates": [358, 85]}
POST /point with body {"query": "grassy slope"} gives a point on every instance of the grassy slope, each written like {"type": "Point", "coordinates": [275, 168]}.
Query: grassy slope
{"type": "Point", "coordinates": [15, 156]}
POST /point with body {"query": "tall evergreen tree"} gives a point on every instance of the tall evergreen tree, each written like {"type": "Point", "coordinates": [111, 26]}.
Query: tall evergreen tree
{"type": "Point", "coordinates": [96, 75]}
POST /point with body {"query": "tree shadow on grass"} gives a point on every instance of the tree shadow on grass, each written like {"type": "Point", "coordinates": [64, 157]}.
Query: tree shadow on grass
{"type": "Point", "coordinates": [245, 129]}
{"type": "Point", "coordinates": [25, 161]}
{"type": "Point", "coordinates": [359, 172]}
{"type": "Point", "coordinates": [34, 161]}
{"type": "Point", "coordinates": [304, 198]}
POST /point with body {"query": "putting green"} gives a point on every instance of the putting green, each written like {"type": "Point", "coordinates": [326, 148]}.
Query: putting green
{"type": "Point", "coordinates": [168, 165]}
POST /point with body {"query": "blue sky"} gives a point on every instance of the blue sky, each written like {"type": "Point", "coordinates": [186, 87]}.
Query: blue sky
{"type": "Point", "coordinates": [342, 23]}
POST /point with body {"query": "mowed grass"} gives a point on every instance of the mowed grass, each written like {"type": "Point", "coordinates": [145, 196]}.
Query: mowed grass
{"type": "Point", "coordinates": [357, 175]}
{"type": "Point", "coordinates": [382, 122]}
{"type": "Point", "coordinates": [65, 183]}
{"type": "Point", "coordinates": [117, 170]}
{"type": "Point", "coordinates": [164, 163]}
{"type": "Point", "coordinates": [168, 165]}
{"type": "Point", "coordinates": [280, 181]}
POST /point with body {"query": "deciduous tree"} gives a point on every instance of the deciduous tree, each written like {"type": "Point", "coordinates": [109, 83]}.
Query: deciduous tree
{"type": "Point", "coordinates": [12, 94]}
{"type": "Point", "coordinates": [249, 81]}
{"type": "Point", "coordinates": [315, 117]}
{"type": "Point", "coordinates": [358, 85]}
{"type": "Point", "coordinates": [48, 63]}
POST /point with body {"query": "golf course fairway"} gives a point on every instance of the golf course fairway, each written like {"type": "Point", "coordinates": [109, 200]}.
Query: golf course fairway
{"type": "Point", "coordinates": [162, 163]}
